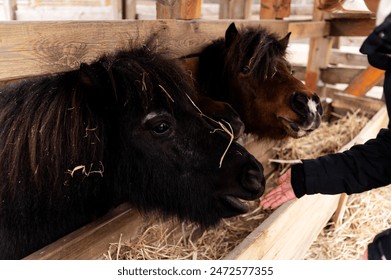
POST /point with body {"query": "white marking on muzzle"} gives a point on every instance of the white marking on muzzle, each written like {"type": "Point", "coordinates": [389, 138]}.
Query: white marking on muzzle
{"type": "Point", "coordinates": [312, 106]}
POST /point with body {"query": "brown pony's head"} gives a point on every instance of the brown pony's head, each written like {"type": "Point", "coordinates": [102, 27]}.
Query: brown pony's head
{"type": "Point", "coordinates": [256, 79]}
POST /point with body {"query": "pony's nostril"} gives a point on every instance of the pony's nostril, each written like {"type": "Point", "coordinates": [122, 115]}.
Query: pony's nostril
{"type": "Point", "coordinates": [300, 103]}
{"type": "Point", "coordinates": [254, 182]}
{"type": "Point", "coordinates": [300, 98]}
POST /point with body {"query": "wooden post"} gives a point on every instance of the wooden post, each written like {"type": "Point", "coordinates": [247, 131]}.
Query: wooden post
{"type": "Point", "coordinates": [275, 9]}
{"type": "Point", "coordinates": [10, 9]}
{"type": "Point", "coordinates": [235, 9]}
{"type": "Point", "coordinates": [318, 55]}
{"type": "Point", "coordinates": [178, 9]}
{"type": "Point", "coordinates": [129, 9]}
{"type": "Point", "coordinates": [117, 9]}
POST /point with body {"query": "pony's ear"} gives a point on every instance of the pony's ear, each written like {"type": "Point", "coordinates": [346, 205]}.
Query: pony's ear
{"type": "Point", "coordinates": [230, 34]}
{"type": "Point", "coordinates": [285, 41]}
{"type": "Point", "coordinates": [96, 85]}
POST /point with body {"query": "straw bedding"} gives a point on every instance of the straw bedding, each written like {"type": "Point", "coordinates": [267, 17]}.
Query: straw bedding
{"type": "Point", "coordinates": [366, 214]}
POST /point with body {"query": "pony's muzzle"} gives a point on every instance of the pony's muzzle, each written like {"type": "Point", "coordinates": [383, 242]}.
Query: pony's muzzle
{"type": "Point", "coordinates": [309, 109]}
{"type": "Point", "coordinates": [253, 181]}
{"type": "Point", "coordinates": [250, 184]}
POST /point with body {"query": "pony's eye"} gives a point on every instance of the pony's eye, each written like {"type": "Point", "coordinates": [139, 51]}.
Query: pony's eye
{"type": "Point", "coordinates": [245, 69]}
{"type": "Point", "coordinates": [161, 128]}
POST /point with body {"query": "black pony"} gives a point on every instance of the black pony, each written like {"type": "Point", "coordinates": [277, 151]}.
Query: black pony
{"type": "Point", "coordinates": [248, 69]}
{"type": "Point", "coordinates": [125, 128]}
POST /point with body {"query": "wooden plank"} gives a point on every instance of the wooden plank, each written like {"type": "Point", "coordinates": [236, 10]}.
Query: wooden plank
{"type": "Point", "coordinates": [235, 9]}
{"type": "Point", "coordinates": [178, 9]}
{"type": "Point", "coordinates": [129, 9]}
{"type": "Point", "coordinates": [118, 9]}
{"type": "Point", "coordinates": [351, 27]}
{"type": "Point", "coordinates": [346, 58]}
{"type": "Point", "coordinates": [364, 81]}
{"type": "Point", "coordinates": [92, 241]}
{"type": "Point", "coordinates": [291, 229]}
{"type": "Point", "coordinates": [275, 9]}
{"type": "Point", "coordinates": [308, 29]}
{"type": "Point", "coordinates": [319, 52]}
{"type": "Point", "coordinates": [318, 58]}
{"type": "Point", "coordinates": [333, 74]}
{"type": "Point", "coordinates": [337, 217]}
{"type": "Point", "coordinates": [39, 48]}
{"type": "Point", "coordinates": [343, 102]}
{"type": "Point", "coordinates": [343, 75]}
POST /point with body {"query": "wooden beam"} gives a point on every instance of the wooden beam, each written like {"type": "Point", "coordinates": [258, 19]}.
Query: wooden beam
{"type": "Point", "coordinates": [39, 48]}
{"type": "Point", "coordinates": [118, 9]}
{"type": "Point", "coordinates": [318, 55]}
{"type": "Point", "coordinates": [178, 9]}
{"type": "Point", "coordinates": [235, 9]}
{"type": "Point", "coordinates": [366, 80]}
{"type": "Point", "coordinates": [317, 60]}
{"type": "Point", "coordinates": [282, 236]}
{"type": "Point", "coordinates": [309, 29]}
{"type": "Point", "coordinates": [92, 241]}
{"type": "Point", "coordinates": [339, 57]}
{"type": "Point", "coordinates": [129, 9]}
{"type": "Point", "coordinates": [351, 27]}
{"type": "Point", "coordinates": [333, 74]}
{"type": "Point", "coordinates": [343, 102]}
{"type": "Point", "coordinates": [344, 75]}
{"type": "Point", "coordinates": [275, 9]}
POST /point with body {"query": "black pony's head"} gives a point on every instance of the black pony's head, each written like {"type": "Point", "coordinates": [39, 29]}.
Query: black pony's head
{"type": "Point", "coordinates": [170, 156]}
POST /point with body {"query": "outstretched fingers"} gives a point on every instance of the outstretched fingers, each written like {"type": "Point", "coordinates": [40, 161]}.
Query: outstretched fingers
{"type": "Point", "coordinates": [280, 194]}
{"type": "Point", "coordinates": [275, 198]}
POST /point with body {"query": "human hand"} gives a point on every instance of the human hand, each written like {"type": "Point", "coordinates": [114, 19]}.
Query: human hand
{"type": "Point", "coordinates": [365, 256]}
{"type": "Point", "coordinates": [280, 194]}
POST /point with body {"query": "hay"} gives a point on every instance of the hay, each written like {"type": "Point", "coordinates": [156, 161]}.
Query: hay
{"type": "Point", "coordinates": [367, 214]}
{"type": "Point", "coordinates": [162, 240]}
{"type": "Point", "coordinates": [173, 240]}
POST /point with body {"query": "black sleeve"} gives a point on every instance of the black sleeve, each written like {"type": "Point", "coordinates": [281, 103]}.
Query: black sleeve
{"type": "Point", "coordinates": [359, 169]}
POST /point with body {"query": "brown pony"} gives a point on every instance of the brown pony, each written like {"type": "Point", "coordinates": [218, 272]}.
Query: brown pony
{"type": "Point", "coordinates": [248, 69]}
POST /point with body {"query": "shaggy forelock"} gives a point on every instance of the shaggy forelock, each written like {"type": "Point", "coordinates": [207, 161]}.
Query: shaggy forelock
{"type": "Point", "coordinates": [257, 49]}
